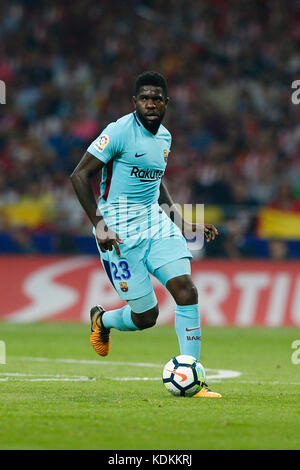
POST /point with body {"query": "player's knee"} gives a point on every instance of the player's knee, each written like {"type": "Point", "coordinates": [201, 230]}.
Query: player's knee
{"type": "Point", "coordinates": [187, 295]}
{"type": "Point", "coordinates": [146, 319]}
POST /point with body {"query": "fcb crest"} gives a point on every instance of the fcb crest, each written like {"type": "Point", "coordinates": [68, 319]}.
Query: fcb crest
{"type": "Point", "coordinates": [123, 286]}
{"type": "Point", "coordinates": [166, 153]}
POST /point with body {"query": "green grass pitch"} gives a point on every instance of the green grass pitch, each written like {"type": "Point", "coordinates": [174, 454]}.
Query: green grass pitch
{"type": "Point", "coordinates": [67, 397]}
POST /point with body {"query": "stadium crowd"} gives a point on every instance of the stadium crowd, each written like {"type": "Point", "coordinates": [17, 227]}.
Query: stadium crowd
{"type": "Point", "coordinates": [69, 70]}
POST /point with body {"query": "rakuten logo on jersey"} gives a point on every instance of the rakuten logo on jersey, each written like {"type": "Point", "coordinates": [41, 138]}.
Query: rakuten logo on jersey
{"type": "Point", "coordinates": [146, 174]}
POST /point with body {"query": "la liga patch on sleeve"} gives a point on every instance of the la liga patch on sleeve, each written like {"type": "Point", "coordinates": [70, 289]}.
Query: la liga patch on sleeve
{"type": "Point", "coordinates": [101, 143]}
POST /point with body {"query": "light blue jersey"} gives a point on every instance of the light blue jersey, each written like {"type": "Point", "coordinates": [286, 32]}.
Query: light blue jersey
{"type": "Point", "coordinates": [135, 162]}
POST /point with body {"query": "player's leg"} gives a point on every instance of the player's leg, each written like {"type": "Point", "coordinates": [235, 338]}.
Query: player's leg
{"type": "Point", "coordinates": [176, 277]}
{"type": "Point", "coordinates": [129, 276]}
{"type": "Point", "coordinates": [169, 260]}
{"type": "Point", "coordinates": [138, 314]}
{"type": "Point", "coordinates": [187, 318]}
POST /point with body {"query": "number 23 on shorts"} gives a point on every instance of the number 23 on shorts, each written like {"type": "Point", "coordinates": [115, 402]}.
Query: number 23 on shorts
{"type": "Point", "coordinates": [121, 271]}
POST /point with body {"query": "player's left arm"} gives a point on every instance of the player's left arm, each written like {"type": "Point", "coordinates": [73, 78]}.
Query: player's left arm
{"type": "Point", "coordinates": [210, 230]}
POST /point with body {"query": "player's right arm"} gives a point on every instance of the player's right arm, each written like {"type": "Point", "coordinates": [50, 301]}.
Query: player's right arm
{"type": "Point", "coordinates": [81, 179]}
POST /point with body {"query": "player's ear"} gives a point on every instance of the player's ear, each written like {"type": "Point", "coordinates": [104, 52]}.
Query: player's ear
{"type": "Point", "coordinates": [167, 99]}
{"type": "Point", "coordinates": [134, 101]}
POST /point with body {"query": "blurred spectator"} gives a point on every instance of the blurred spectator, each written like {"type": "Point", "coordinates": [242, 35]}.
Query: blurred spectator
{"type": "Point", "coordinates": [285, 199]}
{"type": "Point", "coordinates": [278, 250]}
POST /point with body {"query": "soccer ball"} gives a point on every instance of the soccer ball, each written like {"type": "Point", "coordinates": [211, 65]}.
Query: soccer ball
{"type": "Point", "coordinates": [183, 376]}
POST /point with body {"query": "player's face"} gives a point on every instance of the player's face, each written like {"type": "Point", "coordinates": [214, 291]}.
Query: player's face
{"type": "Point", "coordinates": [150, 104]}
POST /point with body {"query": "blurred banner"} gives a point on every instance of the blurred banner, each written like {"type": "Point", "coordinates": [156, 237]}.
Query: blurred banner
{"type": "Point", "coordinates": [61, 288]}
{"type": "Point", "coordinates": [274, 223]}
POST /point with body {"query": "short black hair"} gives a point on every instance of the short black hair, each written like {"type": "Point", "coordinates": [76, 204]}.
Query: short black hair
{"type": "Point", "coordinates": [151, 78]}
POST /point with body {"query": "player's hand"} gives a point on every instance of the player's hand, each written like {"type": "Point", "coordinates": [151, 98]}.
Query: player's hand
{"type": "Point", "coordinates": [106, 238]}
{"type": "Point", "coordinates": [210, 231]}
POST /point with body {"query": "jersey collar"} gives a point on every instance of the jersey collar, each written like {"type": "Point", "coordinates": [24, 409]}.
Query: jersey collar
{"type": "Point", "coordinates": [143, 127]}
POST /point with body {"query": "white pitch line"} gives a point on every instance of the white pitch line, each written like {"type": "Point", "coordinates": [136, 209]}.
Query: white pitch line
{"type": "Point", "coordinates": [125, 379]}
{"type": "Point", "coordinates": [83, 379]}
{"type": "Point", "coordinates": [215, 374]}
{"type": "Point", "coordinates": [215, 377]}
{"type": "Point", "coordinates": [221, 373]}
{"type": "Point", "coordinates": [87, 361]}
{"type": "Point", "coordinates": [19, 374]}
{"type": "Point", "coordinates": [250, 382]}
{"type": "Point", "coordinates": [44, 377]}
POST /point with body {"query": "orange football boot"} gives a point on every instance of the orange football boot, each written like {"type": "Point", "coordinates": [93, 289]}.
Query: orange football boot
{"type": "Point", "coordinates": [100, 336]}
{"type": "Point", "coordinates": [205, 392]}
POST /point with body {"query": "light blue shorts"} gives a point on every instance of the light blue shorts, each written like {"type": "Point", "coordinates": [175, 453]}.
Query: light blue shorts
{"type": "Point", "coordinates": [140, 256]}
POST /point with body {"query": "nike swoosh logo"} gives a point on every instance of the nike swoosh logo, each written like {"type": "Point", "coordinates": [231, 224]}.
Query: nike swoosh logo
{"type": "Point", "coordinates": [183, 376]}
{"type": "Point", "coordinates": [192, 329]}
{"type": "Point", "coordinates": [137, 155]}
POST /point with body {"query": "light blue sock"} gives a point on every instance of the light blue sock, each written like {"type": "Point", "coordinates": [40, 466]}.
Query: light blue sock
{"type": "Point", "coordinates": [187, 326]}
{"type": "Point", "coordinates": [120, 319]}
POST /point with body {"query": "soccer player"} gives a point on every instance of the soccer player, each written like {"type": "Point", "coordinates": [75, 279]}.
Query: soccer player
{"type": "Point", "coordinates": [133, 234]}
